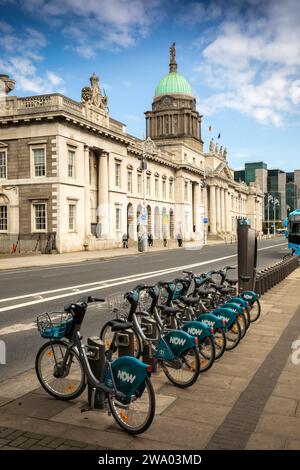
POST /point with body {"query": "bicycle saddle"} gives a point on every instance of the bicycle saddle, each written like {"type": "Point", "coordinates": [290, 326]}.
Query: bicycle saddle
{"type": "Point", "coordinates": [121, 326]}
{"type": "Point", "coordinates": [189, 300]}
{"type": "Point", "coordinates": [232, 281]}
{"type": "Point", "coordinates": [171, 311]}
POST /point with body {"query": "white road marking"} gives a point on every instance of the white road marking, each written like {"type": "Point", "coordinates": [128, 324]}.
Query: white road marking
{"type": "Point", "coordinates": [109, 283]}
{"type": "Point", "coordinates": [17, 328]}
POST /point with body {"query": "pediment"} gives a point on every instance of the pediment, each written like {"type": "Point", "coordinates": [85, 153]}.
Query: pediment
{"type": "Point", "coordinates": [3, 145]}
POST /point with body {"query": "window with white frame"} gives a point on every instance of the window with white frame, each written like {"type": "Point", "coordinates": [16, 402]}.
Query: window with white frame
{"type": "Point", "coordinates": [2, 165]}
{"type": "Point", "coordinates": [186, 191]}
{"type": "Point", "coordinates": [39, 217]}
{"type": "Point", "coordinates": [118, 174]}
{"type": "Point", "coordinates": [148, 185]}
{"type": "Point", "coordinates": [3, 218]}
{"type": "Point", "coordinates": [72, 217]}
{"type": "Point", "coordinates": [164, 191]}
{"type": "Point", "coordinates": [39, 161]}
{"type": "Point", "coordinates": [71, 163]}
{"type": "Point", "coordinates": [156, 187]}
{"type": "Point", "coordinates": [118, 218]}
{"type": "Point", "coordinates": [171, 190]}
{"type": "Point", "coordinates": [139, 183]}
{"type": "Point", "coordinates": [129, 181]}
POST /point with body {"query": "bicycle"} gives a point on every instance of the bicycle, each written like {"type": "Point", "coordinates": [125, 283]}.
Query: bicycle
{"type": "Point", "coordinates": [175, 351]}
{"type": "Point", "coordinates": [63, 369]}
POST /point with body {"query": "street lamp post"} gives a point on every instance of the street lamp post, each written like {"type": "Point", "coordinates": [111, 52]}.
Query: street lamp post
{"type": "Point", "coordinates": [275, 203]}
{"type": "Point", "coordinates": [148, 147]}
{"type": "Point", "coordinates": [270, 198]}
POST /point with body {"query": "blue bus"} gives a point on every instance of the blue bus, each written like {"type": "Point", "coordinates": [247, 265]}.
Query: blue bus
{"type": "Point", "coordinates": [292, 224]}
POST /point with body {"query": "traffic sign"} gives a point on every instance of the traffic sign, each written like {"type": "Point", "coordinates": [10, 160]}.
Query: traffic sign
{"type": "Point", "coordinates": [205, 220]}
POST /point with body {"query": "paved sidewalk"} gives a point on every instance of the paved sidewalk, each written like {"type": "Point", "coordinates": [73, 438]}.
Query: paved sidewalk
{"type": "Point", "coordinates": [27, 261]}
{"type": "Point", "coordinates": [250, 399]}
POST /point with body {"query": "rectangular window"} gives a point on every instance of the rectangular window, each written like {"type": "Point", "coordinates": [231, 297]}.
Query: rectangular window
{"type": "Point", "coordinates": [2, 165]}
{"type": "Point", "coordinates": [71, 164]}
{"type": "Point", "coordinates": [129, 181]}
{"type": "Point", "coordinates": [39, 217]}
{"type": "Point", "coordinates": [39, 162]}
{"type": "Point", "coordinates": [186, 191]}
{"type": "Point", "coordinates": [3, 218]}
{"type": "Point", "coordinates": [139, 184]}
{"type": "Point", "coordinates": [156, 187]}
{"type": "Point", "coordinates": [171, 190]}
{"type": "Point", "coordinates": [72, 217]}
{"type": "Point", "coordinates": [164, 185]}
{"type": "Point", "coordinates": [117, 174]}
{"type": "Point", "coordinates": [118, 218]}
{"type": "Point", "coordinates": [148, 185]}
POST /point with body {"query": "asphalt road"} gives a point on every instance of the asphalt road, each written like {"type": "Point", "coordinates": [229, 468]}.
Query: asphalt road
{"type": "Point", "coordinates": [25, 293]}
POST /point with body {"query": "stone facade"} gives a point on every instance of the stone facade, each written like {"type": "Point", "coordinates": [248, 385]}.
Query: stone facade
{"type": "Point", "coordinates": [88, 191]}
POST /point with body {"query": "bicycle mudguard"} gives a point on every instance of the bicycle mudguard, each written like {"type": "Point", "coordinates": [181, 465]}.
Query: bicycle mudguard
{"type": "Point", "coordinates": [210, 320]}
{"type": "Point", "coordinates": [226, 314]}
{"type": "Point", "coordinates": [198, 329]}
{"type": "Point", "coordinates": [249, 296]}
{"type": "Point", "coordinates": [235, 307]}
{"type": "Point", "coordinates": [239, 301]}
{"type": "Point", "coordinates": [128, 373]}
{"type": "Point", "coordinates": [176, 341]}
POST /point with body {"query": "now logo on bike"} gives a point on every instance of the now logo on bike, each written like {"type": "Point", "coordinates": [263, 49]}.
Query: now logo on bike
{"type": "Point", "coordinates": [177, 341]}
{"type": "Point", "coordinates": [194, 331]}
{"type": "Point", "coordinates": [226, 319]}
{"type": "Point", "coordinates": [125, 376]}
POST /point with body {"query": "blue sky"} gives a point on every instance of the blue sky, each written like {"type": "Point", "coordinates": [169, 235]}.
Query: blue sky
{"type": "Point", "coordinates": [242, 59]}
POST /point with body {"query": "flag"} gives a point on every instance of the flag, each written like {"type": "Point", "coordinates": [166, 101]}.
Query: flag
{"type": "Point", "coordinates": [210, 128]}
{"type": "Point", "coordinates": [219, 135]}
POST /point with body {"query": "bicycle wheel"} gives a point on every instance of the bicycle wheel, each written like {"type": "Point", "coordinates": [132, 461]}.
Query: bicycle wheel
{"type": "Point", "coordinates": [233, 336]}
{"type": "Point", "coordinates": [243, 324]}
{"type": "Point", "coordinates": [184, 371]}
{"type": "Point", "coordinates": [136, 416]}
{"type": "Point", "coordinates": [207, 353]}
{"type": "Point", "coordinates": [220, 342]}
{"type": "Point", "coordinates": [63, 384]}
{"type": "Point", "coordinates": [255, 311]}
{"type": "Point", "coordinates": [107, 336]}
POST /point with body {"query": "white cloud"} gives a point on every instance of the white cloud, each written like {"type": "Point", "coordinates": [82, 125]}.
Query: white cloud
{"type": "Point", "coordinates": [20, 51]}
{"type": "Point", "coordinates": [253, 63]}
{"type": "Point", "coordinates": [99, 24]}
{"type": "Point", "coordinates": [132, 117]}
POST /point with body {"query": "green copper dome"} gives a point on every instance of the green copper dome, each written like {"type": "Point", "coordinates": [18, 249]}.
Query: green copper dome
{"type": "Point", "coordinates": [172, 84]}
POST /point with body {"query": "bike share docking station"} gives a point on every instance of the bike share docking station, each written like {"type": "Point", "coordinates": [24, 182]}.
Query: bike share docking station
{"type": "Point", "coordinates": [96, 358]}
{"type": "Point", "coordinates": [247, 255]}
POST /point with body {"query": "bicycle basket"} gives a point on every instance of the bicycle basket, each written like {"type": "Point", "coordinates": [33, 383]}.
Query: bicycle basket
{"type": "Point", "coordinates": [118, 305]}
{"type": "Point", "coordinates": [54, 325]}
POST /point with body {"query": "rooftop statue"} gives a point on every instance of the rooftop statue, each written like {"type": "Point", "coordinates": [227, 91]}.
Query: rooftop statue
{"type": "Point", "coordinates": [93, 94]}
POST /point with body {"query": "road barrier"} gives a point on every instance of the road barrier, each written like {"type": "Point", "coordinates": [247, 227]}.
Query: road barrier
{"type": "Point", "coordinates": [269, 277]}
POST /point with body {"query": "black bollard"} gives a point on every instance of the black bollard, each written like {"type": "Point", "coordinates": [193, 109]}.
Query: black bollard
{"type": "Point", "coordinates": [96, 357]}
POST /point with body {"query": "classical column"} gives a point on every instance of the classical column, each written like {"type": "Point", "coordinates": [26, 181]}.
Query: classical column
{"type": "Point", "coordinates": [103, 206]}
{"type": "Point", "coordinates": [87, 196]}
{"type": "Point", "coordinates": [218, 209]}
{"type": "Point", "coordinates": [196, 210]}
{"type": "Point", "coordinates": [227, 212]}
{"type": "Point", "coordinates": [223, 214]}
{"type": "Point", "coordinates": [212, 209]}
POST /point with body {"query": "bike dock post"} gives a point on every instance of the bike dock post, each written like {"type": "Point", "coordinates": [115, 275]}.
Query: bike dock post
{"type": "Point", "coordinates": [125, 343]}
{"type": "Point", "coordinates": [96, 359]}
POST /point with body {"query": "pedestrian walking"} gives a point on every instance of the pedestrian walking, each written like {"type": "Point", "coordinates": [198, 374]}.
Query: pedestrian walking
{"type": "Point", "coordinates": [150, 239]}
{"type": "Point", "coordinates": [165, 240]}
{"type": "Point", "coordinates": [125, 240]}
{"type": "Point", "coordinates": [179, 239]}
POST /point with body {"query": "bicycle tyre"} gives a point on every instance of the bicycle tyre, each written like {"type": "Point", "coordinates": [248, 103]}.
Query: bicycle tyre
{"type": "Point", "coordinates": [59, 396]}
{"type": "Point", "coordinates": [196, 366]}
{"type": "Point", "coordinates": [203, 357]}
{"type": "Point", "coordinates": [150, 415]}
{"type": "Point", "coordinates": [232, 342]}
{"type": "Point", "coordinates": [220, 343]}
{"type": "Point", "coordinates": [255, 316]}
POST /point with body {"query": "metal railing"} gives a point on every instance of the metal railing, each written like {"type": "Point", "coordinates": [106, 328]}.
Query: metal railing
{"type": "Point", "coordinates": [269, 277]}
